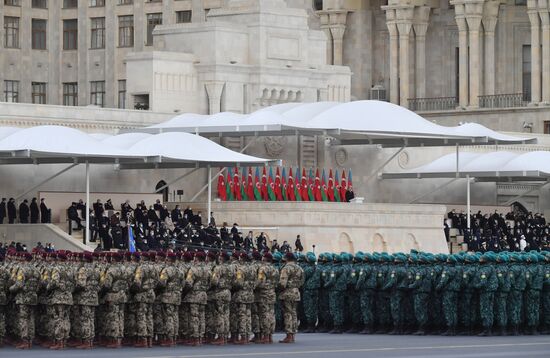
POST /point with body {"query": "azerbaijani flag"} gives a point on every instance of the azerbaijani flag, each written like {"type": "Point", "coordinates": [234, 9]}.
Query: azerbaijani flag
{"type": "Point", "coordinates": [250, 185]}
{"type": "Point", "coordinates": [257, 186]}
{"type": "Point", "coordinates": [264, 186]}
{"type": "Point", "coordinates": [304, 186]}
{"type": "Point", "coordinates": [131, 240]}
{"type": "Point", "coordinates": [283, 185]}
{"type": "Point", "coordinates": [311, 186]}
{"type": "Point", "coordinates": [330, 188]}
{"type": "Point", "coordinates": [229, 187]}
{"type": "Point", "coordinates": [271, 186]}
{"type": "Point", "coordinates": [244, 195]}
{"type": "Point", "coordinates": [337, 187]}
{"type": "Point", "coordinates": [343, 186]}
{"type": "Point", "coordinates": [324, 196]}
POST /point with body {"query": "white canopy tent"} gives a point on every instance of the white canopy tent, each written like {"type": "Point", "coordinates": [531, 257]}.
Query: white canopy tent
{"type": "Point", "coordinates": [358, 122]}
{"type": "Point", "coordinates": [493, 166]}
{"type": "Point", "coordinates": [58, 145]}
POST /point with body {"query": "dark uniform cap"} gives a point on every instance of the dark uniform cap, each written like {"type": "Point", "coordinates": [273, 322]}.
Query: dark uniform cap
{"type": "Point", "coordinates": [235, 255]}
{"type": "Point", "coordinates": [161, 254]}
{"type": "Point", "coordinates": [256, 255]}
{"type": "Point", "coordinates": [88, 256]}
{"type": "Point", "coordinates": [117, 256]}
{"type": "Point", "coordinates": [212, 255]}
{"type": "Point", "coordinates": [244, 256]}
{"type": "Point", "coordinates": [27, 256]}
{"type": "Point", "coordinates": [268, 256]}
{"type": "Point", "coordinates": [289, 256]}
{"type": "Point", "coordinates": [200, 255]}
{"type": "Point", "coordinates": [171, 256]}
{"type": "Point", "coordinates": [188, 256]}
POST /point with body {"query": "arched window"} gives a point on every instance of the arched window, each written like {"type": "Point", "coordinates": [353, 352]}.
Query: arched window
{"type": "Point", "coordinates": [164, 191]}
{"type": "Point", "coordinates": [318, 5]}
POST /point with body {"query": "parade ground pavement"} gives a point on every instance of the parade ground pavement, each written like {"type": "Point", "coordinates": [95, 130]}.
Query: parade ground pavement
{"type": "Point", "coordinates": [326, 345]}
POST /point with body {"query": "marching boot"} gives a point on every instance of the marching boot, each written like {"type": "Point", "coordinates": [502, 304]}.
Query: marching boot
{"type": "Point", "coordinates": [515, 330]}
{"type": "Point", "coordinates": [86, 344]}
{"type": "Point", "coordinates": [394, 331]}
{"type": "Point", "coordinates": [24, 344]}
{"type": "Point", "coordinates": [485, 333]}
{"type": "Point", "coordinates": [353, 329]}
{"type": "Point", "coordinates": [336, 330]}
{"type": "Point", "coordinates": [258, 339]}
{"type": "Point", "coordinates": [141, 343]}
{"type": "Point", "coordinates": [367, 330]}
{"type": "Point", "coordinates": [233, 338]}
{"type": "Point", "coordinates": [73, 342]}
{"type": "Point", "coordinates": [114, 343]}
{"type": "Point", "coordinates": [287, 339]}
{"type": "Point", "coordinates": [421, 331]}
{"type": "Point", "coordinates": [57, 345]}
{"type": "Point", "coordinates": [220, 341]}
{"type": "Point", "coordinates": [150, 342]}
{"type": "Point", "coordinates": [1, 342]}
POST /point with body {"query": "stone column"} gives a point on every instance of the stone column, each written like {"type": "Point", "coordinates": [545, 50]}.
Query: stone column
{"type": "Point", "coordinates": [489, 24]}
{"type": "Point", "coordinates": [462, 59]}
{"type": "Point", "coordinates": [404, 52]}
{"type": "Point", "coordinates": [214, 90]}
{"type": "Point", "coordinates": [337, 32]}
{"type": "Point", "coordinates": [545, 20]}
{"type": "Point", "coordinates": [535, 56]}
{"type": "Point", "coordinates": [474, 23]}
{"type": "Point", "coordinates": [324, 26]}
{"type": "Point", "coordinates": [420, 32]}
{"type": "Point", "coordinates": [394, 62]}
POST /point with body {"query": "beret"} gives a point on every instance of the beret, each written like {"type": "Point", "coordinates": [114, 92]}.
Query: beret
{"type": "Point", "coordinates": [310, 256]}
{"type": "Point", "coordinates": [268, 256]}
{"type": "Point", "coordinates": [200, 255]}
{"type": "Point", "coordinates": [289, 256]}
{"type": "Point", "coordinates": [256, 255]}
{"type": "Point", "coordinates": [188, 256]}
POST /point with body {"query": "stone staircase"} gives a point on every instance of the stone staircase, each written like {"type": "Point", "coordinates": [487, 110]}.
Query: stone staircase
{"type": "Point", "coordinates": [77, 235]}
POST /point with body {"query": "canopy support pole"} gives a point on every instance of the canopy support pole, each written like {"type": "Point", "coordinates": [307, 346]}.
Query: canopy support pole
{"type": "Point", "coordinates": [468, 204]}
{"type": "Point", "coordinates": [509, 202]}
{"type": "Point", "coordinates": [175, 180]}
{"type": "Point", "coordinates": [377, 170]}
{"type": "Point", "coordinates": [45, 181]}
{"type": "Point", "coordinates": [457, 160]}
{"type": "Point", "coordinates": [209, 193]}
{"type": "Point", "coordinates": [221, 171]}
{"type": "Point", "coordinates": [432, 191]}
{"type": "Point", "coordinates": [86, 238]}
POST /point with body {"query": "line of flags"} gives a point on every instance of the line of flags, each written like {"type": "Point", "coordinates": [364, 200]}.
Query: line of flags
{"type": "Point", "coordinates": [299, 185]}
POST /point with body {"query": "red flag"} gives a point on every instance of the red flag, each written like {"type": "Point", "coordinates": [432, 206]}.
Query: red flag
{"type": "Point", "coordinates": [250, 185]}
{"type": "Point", "coordinates": [222, 194]}
{"type": "Point", "coordinates": [290, 190]}
{"type": "Point", "coordinates": [317, 187]}
{"type": "Point", "coordinates": [330, 189]}
{"type": "Point", "coordinates": [264, 186]}
{"type": "Point", "coordinates": [237, 185]}
{"type": "Point", "coordinates": [278, 189]}
{"type": "Point", "coordinates": [304, 186]}
{"type": "Point", "coordinates": [343, 187]}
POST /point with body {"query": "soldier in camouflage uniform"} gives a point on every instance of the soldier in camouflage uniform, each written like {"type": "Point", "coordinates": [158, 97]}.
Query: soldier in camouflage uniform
{"type": "Point", "coordinates": [546, 295]}
{"type": "Point", "coordinates": [221, 281]}
{"type": "Point", "coordinates": [365, 286]}
{"type": "Point", "coordinates": [197, 280]}
{"type": "Point", "coordinates": [170, 283]}
{"type": "Point", "coordinates": [144, 283]}
{"type": "Point", "coordinates": [503, 291]}
{"type": "Point", "coordinates": [310, 298]}
{"type": "Point", "coordinates": [115, 281]}
{"type": "Point", "coordinates": [486, 282]}
{"type": "Point", "coordinates": [130, 306]}
{"type": "Point", "coordinates": [396, 281]}
{"type": "Point", "coordinates": [267, 280]}
{"type": "Point", "coordinates": [291, 278]}
{"type": "Point", "coordinates": [325, 319]}
{"type": "Point", "coordinates": [244, 285]}
{"type": "Point", "coordinates": [535, 279]}
{"type": "Point", "coordinates": [24, 288]}
{"type": "Point", "coordinates": [254, 318]}
{"type": "Point", "coordinates": [183, 309]}
{"type": "Point", "coordinates": [337, 284]}
{"type": "Point", "coordinates": [421, 286]}
{"type": "Point", "coordinates": [449, 284]}
{"type": "Point", "coordinates": [85, 301]}
{"type": "Point", "coordinates": [383, 316]}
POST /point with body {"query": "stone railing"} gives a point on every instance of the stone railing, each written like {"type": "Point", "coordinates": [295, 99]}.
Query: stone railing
{"type": "Point", "coordinates": [502, 100]}
{"type": "Point", "coordinates": [433, 104]}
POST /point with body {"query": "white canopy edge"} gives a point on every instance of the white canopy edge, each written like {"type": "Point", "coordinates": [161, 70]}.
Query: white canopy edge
{"type": "Point", "coordinates": [351, 123]}
{"type": "Point", "coordinates": [492, 166]}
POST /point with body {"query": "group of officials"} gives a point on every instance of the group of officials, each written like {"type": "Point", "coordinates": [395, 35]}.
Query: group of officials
{"type": "Point", "coordinates": [32, 213]}
{"type": "Point", "coordinates": [515, 231]}
{"type": "Point", "coordinates": [62, 299]}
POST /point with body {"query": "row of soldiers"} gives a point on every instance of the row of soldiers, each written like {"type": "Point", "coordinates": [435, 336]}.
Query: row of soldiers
{"type": "Point", "coordinates": [111, 298]}
{"type": "Point", "coordinates": [420, 293]}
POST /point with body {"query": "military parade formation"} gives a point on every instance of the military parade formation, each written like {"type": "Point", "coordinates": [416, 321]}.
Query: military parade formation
{"type": "Point", "coordinates": [114, 299]}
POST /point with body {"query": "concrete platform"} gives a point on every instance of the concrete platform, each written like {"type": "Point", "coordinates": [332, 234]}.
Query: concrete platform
{"type": "Point", "coordinates": [326, 345]}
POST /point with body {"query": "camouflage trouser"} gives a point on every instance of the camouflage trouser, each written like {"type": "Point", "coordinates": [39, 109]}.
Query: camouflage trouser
{"type": "Point", "coordinates": [311, 306]}
{"type": "Point", "coordinates": [254, 318]}
{"type": "Point", "coordinates": [336, 303]}
{"type": "Point", "coordinates": [383, 316]}
{"type": "Point", "coordinates": [243, 319]}
{"type": "Point", "coordinates": [196, 320]}
{"type": "Point", "coordinates": [486, 307]}
{"type": "Point", "coordinates": [366, 300]}
{"type": "Point", "coordinates": [546, 308]}
{"type": "Point", "coordinates": [2, 322]}
{"type": "Point", "coordinates": [515, 307]}
{"type": "Point", "coordinates": [170, 320]}
{"type": "Point", "coordinates": [421, 308]}
{"type": "Point", "coordinates": [210, 317]}
{"type": "Point", "coordinates": [450, 308]}
{"type": "Point", "coordinates": [532, 305]}
{"type": "Point", "coordinates": [465, 310]}
{"type": "Point", "coordinates": [43, 325]}
{"type": "Point", "coordinates": [354, 307]}
{"type": "Point", "coordinates": [233, 320]}
{"type": "Point", "coordinates": [290, 316]}
{"type": "Point", "coordinates": [266, 317]}
{"type": "Point", "coordinates": [218, 318]}
{"type": "Point", "coordinates": [183, 312]}
{"type": "Point", "coordinates": [396, 307]}
{"type": "Point", "coordinates": [325, 318]}
{"type": "Point", "coordinates": [114, 320]}
{"type": "Point", "coordinates": [143, 320]}
{"type": "Point", "coordinates": [59, 316]}
{"type": "Point", "coordinates": [86, 317]}
{"type": "Point", "coordinates": [25, 322]}
{"type": "Point", "coordinates": [130, 319]}
{"type": "Point", "coordinates": [501, 318]}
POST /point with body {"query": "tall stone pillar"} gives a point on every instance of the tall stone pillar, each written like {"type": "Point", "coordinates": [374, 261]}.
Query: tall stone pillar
{"type": "Point", "coordinates": [214, 90]}
{"type": "Point", "coordinates": [337, 32]}
{"type": "Point", "coordinates": [324, 26]}
{"type": "Point", "coordinates": [489, 25]}
{"type": "Point", "coordinates": [462, 59]}
{"type": "Point", "coordinates": [474, 24]}
{"type": "Point", "coordinates": [535, 56]}
{"type": "Point", "coordinates": [545, 21]}
{"type": "Point", "coordinates": [420, 26]}
{"type": "Point", "coordinates": [394, 62]}
{"type": "Point", "coordinates": [404, 64]}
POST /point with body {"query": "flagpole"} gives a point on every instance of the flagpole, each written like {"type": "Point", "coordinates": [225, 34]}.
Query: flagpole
{"type": "Point", "coordinates": [87, 234]}
{"type": "Point", "coordinates": [209, 193]}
